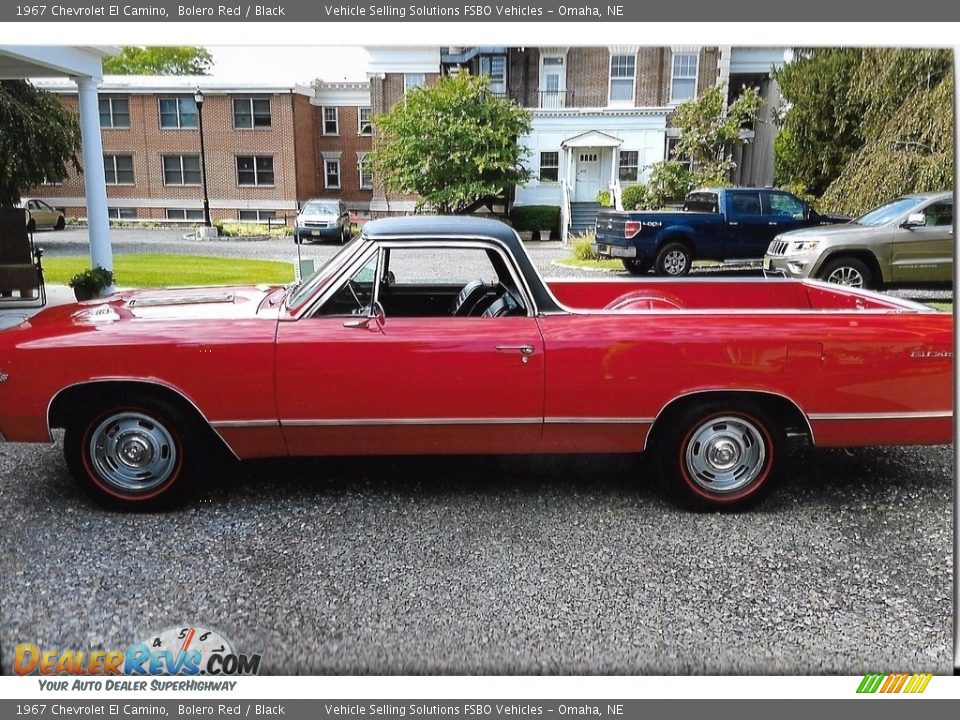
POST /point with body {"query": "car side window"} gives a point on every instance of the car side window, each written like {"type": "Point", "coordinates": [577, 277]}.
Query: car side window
{"type": "Point", "coordinates": [939, 214]}
{"type": "Point", "coordinates": [356, 295]}
{"type": "Point", "coordinates": [745, 203]}
{"type": "Point", "coordinates": [785, 205]}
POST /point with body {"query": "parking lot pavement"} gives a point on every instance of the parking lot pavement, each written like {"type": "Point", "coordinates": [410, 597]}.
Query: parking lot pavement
{"type": "Point", "coordinates": [509, 565]}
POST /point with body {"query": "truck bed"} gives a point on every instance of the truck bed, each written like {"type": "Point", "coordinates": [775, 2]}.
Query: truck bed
{"type": "Point", "coordinates": [762, 294]}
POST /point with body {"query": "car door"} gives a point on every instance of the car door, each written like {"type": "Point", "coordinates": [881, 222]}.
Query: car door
{"type": "Point", "coordinates": [428, 382]}
{"type": "Point", "coordinates": [44, 215]}
{"type": "Point", "coordinates": [784, 213]}
{"type": "Point", "coordinates": [924, 253]}
{"type": "Point", "coordinates": [748, 233]}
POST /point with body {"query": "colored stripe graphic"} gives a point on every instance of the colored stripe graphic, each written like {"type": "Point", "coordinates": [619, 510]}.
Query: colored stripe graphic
{"type": "Point", "coordinates": [913, 683]}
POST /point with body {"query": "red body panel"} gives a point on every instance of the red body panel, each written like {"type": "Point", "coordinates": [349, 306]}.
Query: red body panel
{"type": "Point", "coordinates": [863, 369]}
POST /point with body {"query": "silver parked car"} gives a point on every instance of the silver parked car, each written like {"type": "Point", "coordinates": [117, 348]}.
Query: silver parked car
{"type": "Point", "coordinates": [908, 240]}
{"type": "Point", "coordinates": [323, 220]}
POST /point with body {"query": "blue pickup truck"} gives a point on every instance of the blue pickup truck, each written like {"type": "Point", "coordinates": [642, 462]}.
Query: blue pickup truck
{"type": "Point", "coordinates": [715, 224]}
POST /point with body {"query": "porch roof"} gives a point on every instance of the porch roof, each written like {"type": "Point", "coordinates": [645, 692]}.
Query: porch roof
{"type": "Point", "coordinates": [592, 138]}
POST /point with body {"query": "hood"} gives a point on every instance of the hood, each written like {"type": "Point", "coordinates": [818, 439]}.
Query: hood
{"type": "Point", "coordinates": [834, 232]}
{"type": "Point", "coordinates": [193, 303]}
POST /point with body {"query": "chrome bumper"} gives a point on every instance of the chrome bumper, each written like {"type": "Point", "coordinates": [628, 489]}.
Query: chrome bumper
{"type": "Point", "coordinates": [615, 251]}
{"type": "Point", "coordinates": [791, 266]}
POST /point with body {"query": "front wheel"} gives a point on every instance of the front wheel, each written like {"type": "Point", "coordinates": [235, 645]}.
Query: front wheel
{"type": "Point", "coordinates": [637, 267]}
{"type": "Point", "coordinates": [673, 260]}
{"type": "Point", "coordinates": [128, 456]}
{"type": "Point", "coordinates": [719, 456]}
{"type": "Point", "coordinates": [849, 271]}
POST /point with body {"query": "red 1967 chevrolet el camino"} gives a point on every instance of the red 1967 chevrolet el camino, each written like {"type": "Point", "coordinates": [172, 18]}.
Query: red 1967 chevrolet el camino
{"type": "Point", "coordinates": [385, 351]}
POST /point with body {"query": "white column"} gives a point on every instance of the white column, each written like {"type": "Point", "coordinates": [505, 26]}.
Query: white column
{"type": "Point", "coordinates": [94, 182]}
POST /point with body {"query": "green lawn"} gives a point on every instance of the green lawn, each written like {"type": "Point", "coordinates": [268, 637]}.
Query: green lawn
{"type": "Point", "coordinates": [173, 270]}
{"type": "Point", "coordinates": [591, 264]}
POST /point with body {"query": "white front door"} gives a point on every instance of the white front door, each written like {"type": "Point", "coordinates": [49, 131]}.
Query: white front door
{"type": "Point", "coordinates": [588, 174]}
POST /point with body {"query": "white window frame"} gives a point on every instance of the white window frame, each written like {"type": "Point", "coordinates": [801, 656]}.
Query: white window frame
{"type": "Point", "coordinates": [561, 90]}
{"type": "Point", "coordinates": [620, 165]}
{"type": "Point", "coordinates": [610, 80]}
{"type": "Point", "coordinates": [556, 167]}
{"type": "Point", "coordinates": [674, 76]}
{"type": "Point", "coordinates": [336, 120]}
{"type": "Point", "coordinates": [408, 86]}
{"type": "Point", "coordinates": [249, 99]}
{"type": "Point", "coordinates": [360, 122]}
{"type": "Point", "coordinates": [501, 82]}
{"type": "Point", "coordinates": [113, 157]}
{"type": "Point", "coordinates": [115, 213]}
{"type": "Point", "coordinates": [182, 212]}
{"type": "Point", "coordinates": [110, 99]}
{"type": "Point", "coordinates": [361, 158]}
{"type": "Point", "coordinates": [256, 171]}
{"type": "Point", "coordinates": [183, 173]}
{"type": "Point", "coordinates": [260, 218]}
{"type": "Point", "coordinates": [326, 174]}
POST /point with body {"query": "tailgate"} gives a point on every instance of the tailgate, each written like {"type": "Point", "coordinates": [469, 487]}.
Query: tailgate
{"type": "Point", "coordinates": [611, 240]}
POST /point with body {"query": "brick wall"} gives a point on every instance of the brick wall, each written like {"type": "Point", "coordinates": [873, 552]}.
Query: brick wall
{"type": "Point", "coordinates": [348, 143]}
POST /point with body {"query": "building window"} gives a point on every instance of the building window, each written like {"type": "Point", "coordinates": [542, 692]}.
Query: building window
{"type": "Point", "coordinates": [184, 214]}
{"type": "Point", "coordinates": [181, 169]}
{"type": "Point", "coordinates": [251, 113]}
{"type": "Point", "coordinates": [683, 84]}
{"type": "Point", "coordinates": [411, 81]}
{"type": "Point", "coordinates": [629, 165]}
{"type": "Point", "coordinates": [114, 112]}
{"type": "Point", "coordinates": [118, 169]}
{"type": "Point", "coordinates": [495, 68]}
{"type": "Point", "coordinates": [255, 170]}
{"type": "Point", "coordinates": [364, 122]}
{"type": "Point", "coordinates": [332, 174]}
{"type": "Point", "coordinates": [256, 215]}
{"type": "Point", "coordinates": [623, 71]}
{"type": "Point", "coordinates": [675, 156]}
{"type": "Point", "coordinates": [549, 166]}
{"type": "Point", "coordinates": [331, 121]}
{"type": "Point", "coordinates": [365, 171]}
{"type": "Point", "coordinates": [118, 213]}
{"type": "Point", "coordinates": [178, 112]}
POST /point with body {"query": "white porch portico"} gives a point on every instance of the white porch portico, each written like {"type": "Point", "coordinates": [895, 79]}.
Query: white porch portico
{"type": "Point", "coordinates": [589, 161]}
{"type": "Point", "coordinates": [83, 65]}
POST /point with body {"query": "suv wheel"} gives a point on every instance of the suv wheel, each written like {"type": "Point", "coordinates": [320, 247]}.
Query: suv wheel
{"type": "Point", "coordinates": [849, 271]}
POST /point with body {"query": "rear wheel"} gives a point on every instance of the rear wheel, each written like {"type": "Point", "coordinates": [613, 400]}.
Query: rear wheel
{"type": "Point", "coordinates": [718, 455]}
{"type": "Point", "coordinates": [31, 225]}
{"type": "Point", "coordinates": [673, 260]}
{"type": "Point", "coordinates": [849, 271]}
{"type": "Point", "coordinates": [637, 267]}
{"type": "Point", "coordinates": [129, 455]}
{"type": "Point", "coordinates": [61, 224]}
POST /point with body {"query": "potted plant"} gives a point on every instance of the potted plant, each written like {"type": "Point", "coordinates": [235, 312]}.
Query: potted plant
{"type": "Point", "coordinates": [91, 282]}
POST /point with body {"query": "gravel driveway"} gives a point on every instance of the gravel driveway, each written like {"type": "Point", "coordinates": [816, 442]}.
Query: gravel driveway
{"type": "Point", "coordinates": [491, 565]}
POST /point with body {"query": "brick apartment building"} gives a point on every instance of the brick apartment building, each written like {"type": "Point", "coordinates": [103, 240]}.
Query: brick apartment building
{"type": "Point", "coordinates": [267, 148]}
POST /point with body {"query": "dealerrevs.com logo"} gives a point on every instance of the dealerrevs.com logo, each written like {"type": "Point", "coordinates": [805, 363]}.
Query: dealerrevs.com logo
{"type": "Point", "coordinates": [175, 651]}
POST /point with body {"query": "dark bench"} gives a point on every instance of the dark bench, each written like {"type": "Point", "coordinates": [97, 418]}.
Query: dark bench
{"type": "Point", "coordinates": [21, 272]}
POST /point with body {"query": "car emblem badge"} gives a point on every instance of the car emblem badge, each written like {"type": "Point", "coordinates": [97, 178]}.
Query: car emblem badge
{"type": "Point", "coordinates": [3, 377]}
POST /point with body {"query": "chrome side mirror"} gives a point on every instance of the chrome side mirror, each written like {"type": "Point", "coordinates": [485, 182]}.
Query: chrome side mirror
{"type": "Point", "coordinates": [915, 220]}
{"type": "Point", "coordinates": [374, 313]}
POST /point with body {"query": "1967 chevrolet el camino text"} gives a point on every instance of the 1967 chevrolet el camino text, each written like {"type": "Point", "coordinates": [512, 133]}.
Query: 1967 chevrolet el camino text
{"type": "Point", "coordinates": [385, 351]}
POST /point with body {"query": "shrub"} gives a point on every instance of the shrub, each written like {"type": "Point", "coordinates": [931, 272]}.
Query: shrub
{"type": "Point", "coordinates": [634, 197]}
{"type": "Point", "coordinates": [583, 248]}
{"type": "Point", "coordinates": [604, 198]}
{"type": "Point", "coordinates": [535, 217]}
{"type": "Point", "coordinates": [92, 280]}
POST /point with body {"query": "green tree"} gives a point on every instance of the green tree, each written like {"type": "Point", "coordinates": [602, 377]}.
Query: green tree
{"type": "Point", "coordinates": [159, 60]}
{"type": "Point", "coordinates": [820, 122]}
{"type": "Point", "coordinates": [39, 138]}
{"type": "Point", "coordinates": [452, 144]}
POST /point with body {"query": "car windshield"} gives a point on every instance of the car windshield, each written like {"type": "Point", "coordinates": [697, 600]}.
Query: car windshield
{"type": "Point", "coordinates": [305, 289]}
{"type": "Point", "coordinates": [319, 209]}
{"type": "Point", "coordinates": [889, 212]}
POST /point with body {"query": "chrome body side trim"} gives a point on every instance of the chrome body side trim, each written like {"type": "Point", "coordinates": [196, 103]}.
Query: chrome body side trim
{"type": "Point", "coordinates": [226, 424]}
{"type": "Point", "coordinates": [921, 415]}
{"type": "Point", "coordinates": [599, 421]}
{"type": "Point", "coordinates": [347, 422]}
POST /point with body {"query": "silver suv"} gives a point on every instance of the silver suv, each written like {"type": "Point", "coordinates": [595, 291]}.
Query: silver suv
{"type": "Point", "coordinates": [908, 240]}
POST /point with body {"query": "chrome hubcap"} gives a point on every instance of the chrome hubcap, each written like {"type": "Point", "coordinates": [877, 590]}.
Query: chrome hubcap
{"type": "Point", "coordinates": [725, 454]}
{"type": "Point", "coordinates": [675, 262]}
{"type": "Point", "coordinates": [846, 276]}
{"type": "Point", "coordinates": [132, 452]}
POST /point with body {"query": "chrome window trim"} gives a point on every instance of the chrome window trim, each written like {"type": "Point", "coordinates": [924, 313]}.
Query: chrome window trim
{"type": "Point", "coordinates": [425, 241]}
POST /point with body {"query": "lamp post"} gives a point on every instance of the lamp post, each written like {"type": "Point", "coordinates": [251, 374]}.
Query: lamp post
{"type": "Point", "coordinates": [198, 98]}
